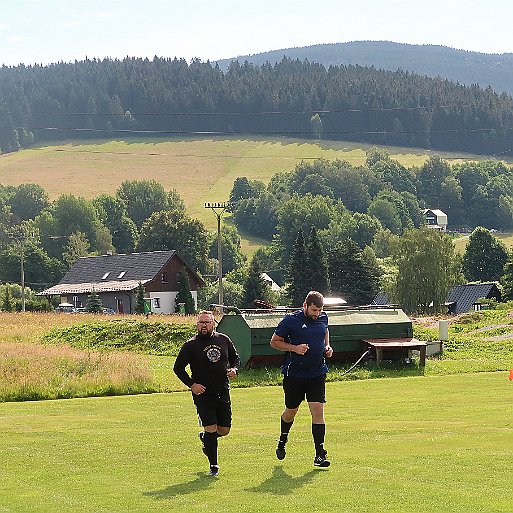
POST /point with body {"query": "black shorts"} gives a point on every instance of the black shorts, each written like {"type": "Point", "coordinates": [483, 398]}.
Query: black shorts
{"type": "Point", "coordinates": [296, 389]}
{"type": "Point", "coordinates": [214, 408]}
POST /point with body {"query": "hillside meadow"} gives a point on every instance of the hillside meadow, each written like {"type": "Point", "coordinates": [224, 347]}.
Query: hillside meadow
{"type": "Point", "coordinates": [200, 169]}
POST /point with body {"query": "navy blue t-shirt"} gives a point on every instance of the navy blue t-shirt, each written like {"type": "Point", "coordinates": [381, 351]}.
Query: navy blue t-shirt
{"type": "Point", "coordinates": [296, 328]}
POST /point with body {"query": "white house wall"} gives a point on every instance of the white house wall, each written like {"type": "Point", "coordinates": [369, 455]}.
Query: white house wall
{"type": "Point", "coordinates": [167, 301]}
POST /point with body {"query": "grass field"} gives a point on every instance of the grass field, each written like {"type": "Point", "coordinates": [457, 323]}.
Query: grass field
{"type": "Point", "coordinates": [200, 169]}
{"type": "Point", "coordinates": [505, 237]}
{"type": "Point", "coordinates": [422, 444]}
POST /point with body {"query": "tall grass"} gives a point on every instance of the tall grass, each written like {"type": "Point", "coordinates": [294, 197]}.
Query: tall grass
{"type": "Point", "coordinates": [33, 371]}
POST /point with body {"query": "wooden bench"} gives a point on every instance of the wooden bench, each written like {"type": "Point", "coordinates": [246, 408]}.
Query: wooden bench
{"type": "Point", "coordinates": [397, 343]}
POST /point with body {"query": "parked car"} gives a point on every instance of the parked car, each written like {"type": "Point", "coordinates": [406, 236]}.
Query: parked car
{"type": "Point", "coordinates": [65, 308]}
{"type": "Point", "coordinates": [109, 311]}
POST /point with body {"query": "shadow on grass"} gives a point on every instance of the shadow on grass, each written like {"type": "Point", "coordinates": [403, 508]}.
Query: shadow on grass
{"type": "Point", "coordinates": [281, 483]}
{"type": "Point", "coordinates": [201, 482]}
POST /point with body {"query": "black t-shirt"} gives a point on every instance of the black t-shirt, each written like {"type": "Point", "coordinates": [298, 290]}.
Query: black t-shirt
{"type": "Point", "coordinates": [208, 358]}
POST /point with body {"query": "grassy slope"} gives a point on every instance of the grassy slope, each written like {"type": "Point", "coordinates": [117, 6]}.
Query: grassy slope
{"type": "Point", "coordinates": [422, 444]}
{"type": "Point", "coordinates": [200, 169]}
{"type": "Point", "coordinates": [506, 237]}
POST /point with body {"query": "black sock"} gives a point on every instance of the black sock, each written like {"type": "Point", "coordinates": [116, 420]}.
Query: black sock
{"type": "Point", "coordinates": [318, 432]}
{"type": "Point", "coordinates": [285, 428]}
{"type": "Point", "coordinates": [210, 441]}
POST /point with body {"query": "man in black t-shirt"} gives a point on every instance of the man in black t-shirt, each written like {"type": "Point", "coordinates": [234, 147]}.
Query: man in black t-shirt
{"type": "Point", "coordinates": [213, 360]}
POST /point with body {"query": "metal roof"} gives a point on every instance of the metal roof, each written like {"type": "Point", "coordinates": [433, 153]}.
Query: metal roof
{"type": "Point", "coordinates": [464, 296]}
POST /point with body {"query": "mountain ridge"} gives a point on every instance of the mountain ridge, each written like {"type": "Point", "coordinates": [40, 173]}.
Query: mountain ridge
{"type": "Point", "coordinates": [463, 66]}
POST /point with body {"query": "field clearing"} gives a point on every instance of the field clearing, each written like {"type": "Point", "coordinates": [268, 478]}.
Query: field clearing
{"type": "Point", "coordinates": [420, 444]}
{"type": "Point", "coordinates": [29, 326]}
{"type": "Point", "coordinates": [200, 169]}
{"type": "Point", "coordinates": [505, 237]}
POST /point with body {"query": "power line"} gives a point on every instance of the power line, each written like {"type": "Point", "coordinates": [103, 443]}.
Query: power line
{"type": "Point", "coordinates": [260, 133]}
{"type": "Point", "coordinates": [129, 113]}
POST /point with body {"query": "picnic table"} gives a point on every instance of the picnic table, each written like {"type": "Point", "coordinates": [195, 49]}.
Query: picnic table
{"type": "Point", "coordinates": [379, 344]}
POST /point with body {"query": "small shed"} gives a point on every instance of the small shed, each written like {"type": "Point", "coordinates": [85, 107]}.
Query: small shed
{"type": "Point", "coordinates": [463, 298]}
{"type": "Point", "coordinates": [436, 219]}
{"type": "Point", "coordinates": [349, 327]}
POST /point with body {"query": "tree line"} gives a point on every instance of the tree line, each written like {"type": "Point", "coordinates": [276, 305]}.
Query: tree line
{"type": "Point", "coordinates": [358, 201]}
{"type": "Point", "coordinates": [321, 245]}
{"type": "Point", "coordinates": [368, 228]}
{"type": "Point", "coordinates": [51, 235]}
{"type": "Point", "coordinates": [100, 98]}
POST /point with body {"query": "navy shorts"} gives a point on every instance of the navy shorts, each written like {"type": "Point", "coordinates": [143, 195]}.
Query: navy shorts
{"type": "Point", "coordinates": [214, 408]}
{"type": "Point", "coordinates": [296, 389]}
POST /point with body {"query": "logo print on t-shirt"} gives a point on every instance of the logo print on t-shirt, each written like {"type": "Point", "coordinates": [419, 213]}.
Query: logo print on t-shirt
{"type": "Point", "coordinates": [213, 353]}
{"type": "Point", "coordinates": [304, 326]}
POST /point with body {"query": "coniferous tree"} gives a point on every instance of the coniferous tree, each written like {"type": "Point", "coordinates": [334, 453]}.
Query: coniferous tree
{"type": "Point", "coordinates": [94, 303]}
{"type": "Point", "coordinates": [139, 301]}
{"type": "Point", "coordinates": [298, 287]}
{"type": "Point", "coordinates": [7, 300]}
{"type": "Point", "coordinates": [255, 286]}
{"type": "Point", "coordinates": [316, 268]}
{"type": "Point", "coordinates": [184, 295]}
{"type": "Point", "coordinates": [352, 277]}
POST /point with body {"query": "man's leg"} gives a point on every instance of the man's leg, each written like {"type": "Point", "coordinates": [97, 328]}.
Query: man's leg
{"type": "Point", "coordinates": [210, 441]}
{"type": "Point", "coordinates": [318, 433]}
{"type": "Point", "coordinates": [294, 395]}
{"type": "Point", "coordinates": [206, 409]}
{"type": "Point", "coordinates": [286, 421]}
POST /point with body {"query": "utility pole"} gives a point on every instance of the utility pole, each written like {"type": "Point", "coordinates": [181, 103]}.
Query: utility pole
{"type": "Point", "coordinates": [22, 258]}
{"type": "Point", "coordinates": [219, 208]}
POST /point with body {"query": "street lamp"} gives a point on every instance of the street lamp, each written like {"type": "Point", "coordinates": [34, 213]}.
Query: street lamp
{"type": "Point", "coordinates": [219, 208]}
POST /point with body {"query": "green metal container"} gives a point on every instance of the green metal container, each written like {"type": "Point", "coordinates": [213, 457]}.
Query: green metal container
{"type": "Point", "coordinates": [252, 331]}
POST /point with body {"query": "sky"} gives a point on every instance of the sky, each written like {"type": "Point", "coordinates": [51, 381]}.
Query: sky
{"type": "Point", "coordinates": [49, 31]}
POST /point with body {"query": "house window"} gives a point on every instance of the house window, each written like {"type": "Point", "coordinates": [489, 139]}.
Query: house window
{"type": "Point", "coordinates": [121, 274]}
{"type": "Point", "coordinates": [156, 302]}
{"type": "Point", "coordinates": [164, 277]}
{"type": "Point", "coordinates": [104, 277]}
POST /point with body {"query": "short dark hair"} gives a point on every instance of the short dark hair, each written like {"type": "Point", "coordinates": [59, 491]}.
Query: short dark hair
{"type": "Point", "coordinates": [205, 312]}
{"type": "Point", "coordinates": [314, 298]}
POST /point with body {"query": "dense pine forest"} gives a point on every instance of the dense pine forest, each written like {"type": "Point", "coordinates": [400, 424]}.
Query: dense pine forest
{"type": "Point", "coordinates": [130, 97]}
{"type": "Point", "coordinates": [461, 66]}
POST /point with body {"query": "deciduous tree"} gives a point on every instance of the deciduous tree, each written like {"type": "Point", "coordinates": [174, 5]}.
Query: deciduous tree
{"type": "Point", "coordinates": [484, 256]}
{"type": "Point", "coordinates": [427, 269]}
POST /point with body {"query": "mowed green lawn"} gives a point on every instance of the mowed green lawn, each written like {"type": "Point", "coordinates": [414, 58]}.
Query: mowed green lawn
{"type": "Point", "coordinates": [419, 444]}
{"type": "Point", "coordinates": [201, 169]}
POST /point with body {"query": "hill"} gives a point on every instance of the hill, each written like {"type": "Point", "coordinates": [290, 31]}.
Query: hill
{"type": "Point", "coordinates": [494, 70]}
{"type": "Point", "coordinates": [201, 169]}
{"type": "Point", "coordinates": [109, 99]}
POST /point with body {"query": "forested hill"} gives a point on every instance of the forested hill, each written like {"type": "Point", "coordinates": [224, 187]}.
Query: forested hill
{"type": "Point", "coordinates": [494, 70]}
{"type": "Point", "coordinates": [113, 98]}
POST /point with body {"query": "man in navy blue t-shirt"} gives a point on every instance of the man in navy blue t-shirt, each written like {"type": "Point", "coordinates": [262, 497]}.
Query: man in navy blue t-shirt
{"type": "Point", "coordinates": [304, 337]}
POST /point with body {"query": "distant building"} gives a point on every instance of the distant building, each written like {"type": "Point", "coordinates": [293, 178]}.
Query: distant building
{"type": "Point", "coordinates": [116, 278]}
{"type": "Point", "coordinates": [274, 286]}
{"type": "Point", "coordinates": [464, 298]}
{"type": "Point", "coordinates": [460, 299]}
{"type": "Point", "coordinates": [436, 219]}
